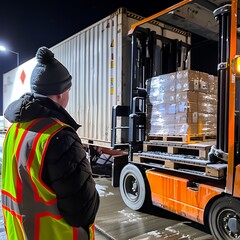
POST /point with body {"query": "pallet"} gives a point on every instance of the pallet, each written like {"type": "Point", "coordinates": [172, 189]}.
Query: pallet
{"type": "Point", "coordinates": [196, 149]}
{"type": "Point", "coordinates": [187, 164]}
{"type": "Point", "coordinates": [182, 138]}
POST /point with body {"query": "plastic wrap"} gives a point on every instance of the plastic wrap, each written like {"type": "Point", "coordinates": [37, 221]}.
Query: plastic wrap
{"type": "Point", "coordinates": [182, 103]}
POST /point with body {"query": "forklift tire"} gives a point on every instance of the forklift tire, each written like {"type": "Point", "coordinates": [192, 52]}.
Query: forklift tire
{"type": "Point", "coordinates": [134, 189]}
{"type": "Point", "coordinates": [224, 218]}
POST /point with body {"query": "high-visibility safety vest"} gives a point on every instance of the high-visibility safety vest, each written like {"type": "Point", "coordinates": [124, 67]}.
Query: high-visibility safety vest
{"type": "Point", "coordinates": [29, 206]}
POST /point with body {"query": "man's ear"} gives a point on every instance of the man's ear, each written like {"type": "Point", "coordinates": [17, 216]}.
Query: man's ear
{"type": "Point", "coordinates": [59, 96]}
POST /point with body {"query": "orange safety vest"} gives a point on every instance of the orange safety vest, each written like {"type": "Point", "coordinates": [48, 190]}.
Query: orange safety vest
{"type": "Point", "coordinates": [29, 206]}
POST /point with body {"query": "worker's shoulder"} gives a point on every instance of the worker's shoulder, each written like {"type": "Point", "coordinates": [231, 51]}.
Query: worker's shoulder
{"type": "Point", "coordinates": [64, 141]}
{"type": "Point", "coordinates": [66, 134]}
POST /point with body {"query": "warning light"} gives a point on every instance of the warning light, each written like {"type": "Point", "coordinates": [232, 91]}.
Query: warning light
{"type": "Point", "coordinates": [235, 65]}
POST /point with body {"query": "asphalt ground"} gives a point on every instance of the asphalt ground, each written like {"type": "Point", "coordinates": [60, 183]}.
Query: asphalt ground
{"type": "Point", "coordinates": [118, 222]}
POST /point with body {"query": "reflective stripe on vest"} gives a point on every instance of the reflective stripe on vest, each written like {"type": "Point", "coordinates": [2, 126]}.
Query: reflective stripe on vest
{"type": "Point", "coordinates": [30, 212]}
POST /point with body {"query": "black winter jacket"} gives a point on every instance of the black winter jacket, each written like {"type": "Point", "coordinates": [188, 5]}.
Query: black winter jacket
{"type": "Point", "coordinates": [66, 169]}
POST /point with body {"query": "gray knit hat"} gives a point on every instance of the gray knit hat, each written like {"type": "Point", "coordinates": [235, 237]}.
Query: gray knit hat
{"type": "Point", "coordinates": [49, 76]}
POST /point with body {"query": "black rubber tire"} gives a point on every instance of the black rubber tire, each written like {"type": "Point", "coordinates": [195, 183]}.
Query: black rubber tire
{"type": "Point", "coordinates": [133, 187]}
{"type": "Point", "coordinates": [224, 218]}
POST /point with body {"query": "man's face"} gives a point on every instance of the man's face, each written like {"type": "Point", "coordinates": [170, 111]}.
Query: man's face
{"type": "Point", "coordinates": [65, 98]}
{"type": "Point", "coordinates": [61, 99]}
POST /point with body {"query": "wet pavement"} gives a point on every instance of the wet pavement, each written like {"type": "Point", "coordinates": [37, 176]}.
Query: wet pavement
{"type": "Point", "coordinates": [118, 222]}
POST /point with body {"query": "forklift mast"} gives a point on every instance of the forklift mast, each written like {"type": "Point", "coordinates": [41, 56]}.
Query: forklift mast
{"type": "Point", "coordinates": [151, 55]}
{"type": "Point", "coordinates": [223, 16]}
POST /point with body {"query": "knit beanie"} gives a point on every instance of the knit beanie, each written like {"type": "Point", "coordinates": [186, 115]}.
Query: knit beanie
{"type": "Point", "coordinates": [49, 76]}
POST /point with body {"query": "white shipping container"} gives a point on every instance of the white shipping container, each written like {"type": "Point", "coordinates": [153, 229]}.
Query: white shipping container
{"type": "Point", "coordinates": [98, 59]}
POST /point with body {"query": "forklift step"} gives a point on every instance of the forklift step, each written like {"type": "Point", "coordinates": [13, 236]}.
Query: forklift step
{"type": "Point", "coordinates": [183, 163]}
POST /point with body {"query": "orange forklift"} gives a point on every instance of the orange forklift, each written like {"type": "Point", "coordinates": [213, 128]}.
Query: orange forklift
{"type": "Point", "coordinates": [209, 200]}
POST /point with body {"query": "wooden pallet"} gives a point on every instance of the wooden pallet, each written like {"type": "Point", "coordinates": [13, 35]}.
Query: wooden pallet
{"type": "Point", "coordinates": [175, 162]}
{"type": "Point", "coordinates": [197, 149]}
{"type": "Point", "coordinates": [182, 138]}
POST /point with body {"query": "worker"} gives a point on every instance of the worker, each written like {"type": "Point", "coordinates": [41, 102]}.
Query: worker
{"type": "Point", "coordinates": [48, 191]}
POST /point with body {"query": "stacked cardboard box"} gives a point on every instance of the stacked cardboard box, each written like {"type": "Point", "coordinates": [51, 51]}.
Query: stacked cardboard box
{"type": "Point", "coordinates": [161, 107]}
{"type": "Point", "coordinates": [182, 103]}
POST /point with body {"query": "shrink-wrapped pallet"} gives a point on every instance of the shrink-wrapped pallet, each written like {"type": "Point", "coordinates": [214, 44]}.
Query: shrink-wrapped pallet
{"type": "Point", "coordinates": [182, 103]}
{"type": "Point", "coordinates": [207, 123]}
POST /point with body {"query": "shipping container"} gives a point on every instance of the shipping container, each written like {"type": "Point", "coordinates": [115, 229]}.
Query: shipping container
{"type": "Point", "coordinates": [98, 59]}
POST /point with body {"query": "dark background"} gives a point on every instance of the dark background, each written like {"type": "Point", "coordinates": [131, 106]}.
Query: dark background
{"type": "Point", "coordinates": [27, 25]}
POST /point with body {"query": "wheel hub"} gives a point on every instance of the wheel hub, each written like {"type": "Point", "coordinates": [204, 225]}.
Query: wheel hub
{"type": "Point", "coordinates": [232, 224]}
{"type": "Point", "coordinates": [134, 186]}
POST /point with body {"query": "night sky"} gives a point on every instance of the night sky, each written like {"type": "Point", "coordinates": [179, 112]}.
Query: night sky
{"type": "Point", "coordinates": [27, 25]}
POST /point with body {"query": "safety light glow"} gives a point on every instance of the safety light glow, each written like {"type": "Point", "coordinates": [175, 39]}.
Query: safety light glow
{"type": "Point", "coordinates": [235, 65]}
{"type": "Point", "coordinates": [238, 64]}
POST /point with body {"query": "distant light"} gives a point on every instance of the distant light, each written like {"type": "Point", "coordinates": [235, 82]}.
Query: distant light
{"type": "Point", "coordinates": [2, 48]}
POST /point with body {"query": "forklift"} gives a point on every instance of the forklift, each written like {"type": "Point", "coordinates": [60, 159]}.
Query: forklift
{"type": "Point", "coordinates": [211, 201]}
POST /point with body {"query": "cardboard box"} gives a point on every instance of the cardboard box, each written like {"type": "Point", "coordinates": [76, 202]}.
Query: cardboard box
{"type": "Point", "coordinates": [161, 83]}
{"type": "Point", "coordinates": [154, 129]}
{"type": "Point", "coordinates": [186, 129]}
{"type": "Point", "coordinates": [163, 108]}
{"type": "Point", "coordinates": [163, 119]}
{"type": "Point", "coordinates": [186, 96]}
{"type": "Point", "coordinates": [207, 118]}
{"type": "Point", "coordinates": [162, 97]}
{"type": "Point", "coordinates": [186, 118]}
{"type": "Point", "coordinates": [207, 129]}
{"type": "Point", "coordinates": [183, 107]}
{"type": "Point", "coordinates": [207, 108]}
{"type": "Point", "coordinates": [206, 98]}
{"type": "Point", "coordinates": [187, 80]}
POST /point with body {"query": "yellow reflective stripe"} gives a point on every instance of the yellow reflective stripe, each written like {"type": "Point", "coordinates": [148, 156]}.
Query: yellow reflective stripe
{"type": "Point", "coordinates": [91, 232]}
{"type": "Point", "coordinates": [39, 152]}
{"type": "Point", "coordinates": [61, 229]}
{"type": "Point", "coordinates": [9, 165]}
{"type": "Point", "coordinates": [10, 168]}
{"type": "Point", "coordinates": [17, 232]}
